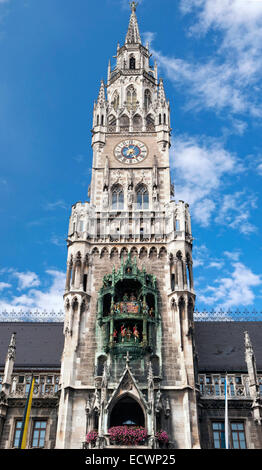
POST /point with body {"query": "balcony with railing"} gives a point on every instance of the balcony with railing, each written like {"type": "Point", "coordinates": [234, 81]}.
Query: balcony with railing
{"type": "Point", "coordinates": [46, 385]}
{"type": "Point", "coordinates": [213, 386]}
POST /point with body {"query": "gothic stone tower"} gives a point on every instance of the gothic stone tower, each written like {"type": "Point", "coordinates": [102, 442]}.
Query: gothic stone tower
{"type": "Point", "coordinates": [129, 335]}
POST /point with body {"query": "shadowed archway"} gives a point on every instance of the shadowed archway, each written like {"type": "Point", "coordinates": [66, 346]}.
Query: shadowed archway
{"type": "Point", "coordinates": [128, 412]}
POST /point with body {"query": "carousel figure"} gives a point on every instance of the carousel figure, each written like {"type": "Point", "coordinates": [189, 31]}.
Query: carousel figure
{"type": "Point", "coordinates": [128, 333]}
{"type": "Point", "coordinates": [132, 297]}
{"type": "Point", "coordinates": [115, 335]}
{"type": "Point", "coordinates": [145, 307]}
{"type": "Point", "coordinates": [125, 297]}
{"type": "Point", "coordinates": [151, 312]}
{"type": "Point", "coordinates": [136, 333]}
{"type": "Point", "coordinates": [123, 332]}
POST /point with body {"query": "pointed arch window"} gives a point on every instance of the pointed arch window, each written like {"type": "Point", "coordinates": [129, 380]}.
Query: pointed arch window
{"type": "Point", "coordinates": [142, 198]}
{"type": "Point", "coordinates": [117, 197]}
{"type": "Point", "coordinates": [131, 98]}
{"type": "Point", "coordinates": [132, 63]}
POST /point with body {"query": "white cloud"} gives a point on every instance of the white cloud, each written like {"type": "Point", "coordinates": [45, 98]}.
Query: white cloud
{"type": "Point", "coordinates": [234, 290]}
{"type": "Point", "coordinates": [229, 79]}
{"type": "Point", "coordinates": [48, 299]}
{"type": "Point", "coordinates": [26, 279]}
{"type": "Point", "coordinates": [51, 206]}
{"type": "Point", "coordinates": [259, 169]}
{"type": "Point", "coordinates": [200, 166]}
{"type": "Point", "coordinates": [216, 264]}
{"type": "Point", "coordinates": [233, 255]}
{"type": "Point", "coordinates": [235, 212]}
{"type": "Point", "coordinates": [4, 285]}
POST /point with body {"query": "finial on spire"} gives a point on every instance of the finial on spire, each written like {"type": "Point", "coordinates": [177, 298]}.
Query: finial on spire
{"type": "Point", "coordinates": [133, 36]}
{"type": "Point", "coordinates": [133, 6]}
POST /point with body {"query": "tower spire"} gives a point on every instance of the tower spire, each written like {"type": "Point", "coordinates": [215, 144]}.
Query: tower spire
{"type": "Point", "coordinates": [133, 35]}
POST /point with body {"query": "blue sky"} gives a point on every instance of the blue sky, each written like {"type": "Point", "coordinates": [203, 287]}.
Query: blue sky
{"type": "Point", "coordinates": [53, 55]}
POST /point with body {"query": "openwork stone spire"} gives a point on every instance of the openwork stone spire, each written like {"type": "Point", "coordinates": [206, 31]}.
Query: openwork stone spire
{"type": "Point", "coordinates": [101, 95]}
{"type": "Point", "coordinates": [133, 35]}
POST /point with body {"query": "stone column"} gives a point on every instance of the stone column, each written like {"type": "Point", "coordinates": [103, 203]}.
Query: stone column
{"type": "Point", "coordinates": [253, 381]}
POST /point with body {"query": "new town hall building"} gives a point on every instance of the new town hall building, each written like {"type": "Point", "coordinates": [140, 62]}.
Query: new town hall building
{"type": "Point", "coordinates": [129, 351]}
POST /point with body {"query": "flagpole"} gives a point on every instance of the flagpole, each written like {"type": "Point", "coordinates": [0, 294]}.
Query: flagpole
{"type": "Point", "coordinates": [226, 413]}
{"type": "Point", "coordinates": [23, 433]}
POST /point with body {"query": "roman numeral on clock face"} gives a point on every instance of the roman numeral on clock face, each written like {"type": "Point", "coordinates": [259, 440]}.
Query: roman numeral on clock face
{"type": "Point", "coordinates": [130, 151]}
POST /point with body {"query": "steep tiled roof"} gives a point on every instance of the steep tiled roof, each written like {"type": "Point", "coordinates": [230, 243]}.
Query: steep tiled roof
{"type": "Point", "coordinates": [37, 344]}
{"type": "Point", "coordinates": [220, 345]}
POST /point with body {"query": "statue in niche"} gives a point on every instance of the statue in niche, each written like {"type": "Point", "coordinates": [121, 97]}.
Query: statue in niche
{"type": "Point", "coordinates": [105, 200]}
{"type": "Point", "coordinates": [130, 197]}
{"type": "Point", "coordinates": [125, 297]}
{"type": "Point", "coordinates": [151, 312]}
{"type": "Point", "coordinates": [136, 333]}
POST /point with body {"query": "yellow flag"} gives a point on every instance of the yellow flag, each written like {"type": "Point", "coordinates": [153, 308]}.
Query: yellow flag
{"type": "Point", "coordinates": [23, 435]}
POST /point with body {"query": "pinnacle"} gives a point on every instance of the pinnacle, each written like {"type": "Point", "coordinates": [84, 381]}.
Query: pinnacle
{"type": "Point", "coordinates": [133, 35]}
{"type": "Point", "coordinates": [101, 95]}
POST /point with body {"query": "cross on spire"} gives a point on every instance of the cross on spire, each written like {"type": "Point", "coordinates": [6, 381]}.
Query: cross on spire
{"type": "Point", "coordinates": [127, 358]}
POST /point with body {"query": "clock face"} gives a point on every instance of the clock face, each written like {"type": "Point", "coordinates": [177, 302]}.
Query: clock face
{"type": "Point", "coordinates": [130, 152]}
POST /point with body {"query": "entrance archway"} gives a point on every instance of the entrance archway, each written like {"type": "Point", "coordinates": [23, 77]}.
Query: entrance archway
{"type": "Point", "coordinates": [128, 412]}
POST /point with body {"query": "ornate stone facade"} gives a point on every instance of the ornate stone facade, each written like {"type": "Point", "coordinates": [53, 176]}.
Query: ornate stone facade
{"type": "Point", "coordinates": [132, 354]}
{"type": "Point", "coordinates": [129, 285]}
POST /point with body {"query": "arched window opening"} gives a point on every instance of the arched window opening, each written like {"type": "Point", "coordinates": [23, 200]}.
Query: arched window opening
{"type": "Point", "coordinates": [100, 365]}
{"type": "Point", "coordinates": [111, 123]}
{"type": "Point", "coordinates": [124, 123]}
{"type": "Point", "coordinates": [155, 365]}
{"type": "Point", "coordinates": [131, 98]}
{"type": "Point", "coordinates": [142, 198]}
{"type": "Point", "coordinates": [164, 119]}
{"type": "Point", "coordinates": [102, 120]}
{"type": "Point", "coordinates": [137, 122]}
{"type": "Point", "coordinates": [97, 120]}
{"type": "Point", "coordinates": [173, 281]}
{"type": "Point", "coordinates": [117, 197]}
{"type": "Point", "coordinates": [147, 100]}
{"type": "Point", "coordinates": [150, 123]}
{"type": "Point", "coordinates": [132, 63]}
{"type": "Point", "coordinates": [160, 119]}
{"type": "Point", "coordinates": [84, 282]}
{"type": "Point", "coordinates": [127, 412]}
{"type": "Point", "coordinates": [81, 225]}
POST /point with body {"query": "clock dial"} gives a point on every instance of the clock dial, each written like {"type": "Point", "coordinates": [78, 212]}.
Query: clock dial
{"type": "Point", "coordinates": [130, 152]}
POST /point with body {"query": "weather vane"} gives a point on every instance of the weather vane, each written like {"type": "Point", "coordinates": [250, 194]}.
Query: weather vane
{"type": "Point", "coordinates": [133, 6]}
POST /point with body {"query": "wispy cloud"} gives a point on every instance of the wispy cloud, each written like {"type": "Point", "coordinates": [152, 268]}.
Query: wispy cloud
{"type": "Point", "coordinates": [41, 298]}
{"type": "Point", "coordinates": [234, 290]}
{"type": "Point", "coordinates": [234, 212]}
{"type": "Point", "coordinates": [201, 166]}
{"type": "Point", "coordinates": [4, 285]}
{"type": "Point", "coordinates": [51, 206]}
{"type": "Point", "coordinates": [26, 279]}
{"type": "Point", "coordinates": [229, 79]}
